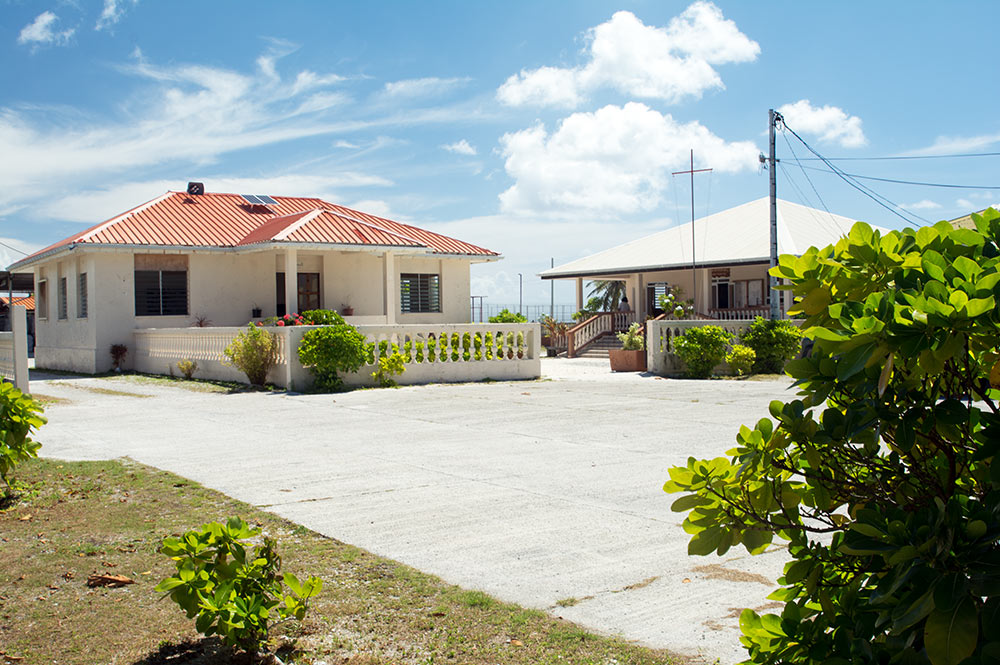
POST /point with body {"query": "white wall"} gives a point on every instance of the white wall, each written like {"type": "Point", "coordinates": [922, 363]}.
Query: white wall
{"type": "Point", "coordinates": [224, 288]}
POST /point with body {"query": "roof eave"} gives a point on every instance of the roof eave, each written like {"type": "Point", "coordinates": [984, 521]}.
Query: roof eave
{"type": "Point", "coordinates": [629, 270]}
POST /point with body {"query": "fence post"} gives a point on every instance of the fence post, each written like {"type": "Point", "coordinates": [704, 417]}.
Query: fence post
{"type": "Point", "coordinates": [19, 325]}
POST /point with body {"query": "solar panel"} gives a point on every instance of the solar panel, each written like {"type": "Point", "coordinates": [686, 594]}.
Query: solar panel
{"type": "Point", "coordinates": [259, 200]}
{"type": "Point", "coordinates": [251, 199]}
{"type": "Point", "coordinates": [267, 200]}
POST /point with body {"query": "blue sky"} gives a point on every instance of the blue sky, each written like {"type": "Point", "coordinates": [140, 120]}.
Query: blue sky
{"type": "Point", "coordinates": [538, 129]}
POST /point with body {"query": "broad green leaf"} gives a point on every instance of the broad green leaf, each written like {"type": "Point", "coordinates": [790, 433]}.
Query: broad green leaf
{"type": "Point", "coordinates": [950, 636]}
{"type": "Point", "coordinates": [705, 542]}
{"type": "Point", "coordinates": [854, 361]}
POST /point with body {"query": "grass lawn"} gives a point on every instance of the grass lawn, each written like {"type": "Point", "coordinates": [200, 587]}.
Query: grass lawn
{"type": "Point", "coordinates": [75, 519]}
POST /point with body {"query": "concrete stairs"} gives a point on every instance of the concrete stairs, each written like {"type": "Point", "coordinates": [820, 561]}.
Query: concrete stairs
{"type": "Point", "coordinates": [599, 347]}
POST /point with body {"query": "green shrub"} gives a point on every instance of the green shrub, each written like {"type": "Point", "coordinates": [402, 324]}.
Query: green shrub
{"type": "Point", "coordinates": [254, 352]}
{"type": "Point", "coordinates": [329, 350]}
{"type": "Point", "coordinates": [322, 317]}
{"type": "Point", "coordinates": [774, 341]}
{"type": "Point", "coordinates": [506, 316]}
{"type": "Point", "coordinates": [632, 339]}
{"type": "Point", "coordinates": [880, 473]}
{"type": "Point", "coordinates": [740, 359]}
{"type": "Point", "coordinates": [701, 349]}
{"type": "Point", "coordinates": [389, 367]}
{"type": "Point", "coordinates": [20, 415]}
{"type": "Point", "coordinates": [187, 367]}
{"type": "Point", "coordinates": [232, 585]}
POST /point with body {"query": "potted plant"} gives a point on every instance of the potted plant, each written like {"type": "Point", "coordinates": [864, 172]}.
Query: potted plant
{"type": "Point", "coordinates": [346, 310]}
{"type": "Point", "coordinates": [553, 335]}
{"type": "Point", "coordinates": [255, 312]}
{"type": "Point", "coordinates": [632, 356]}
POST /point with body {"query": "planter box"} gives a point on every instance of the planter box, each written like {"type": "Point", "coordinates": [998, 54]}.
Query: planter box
{"type": "Point", "coordinates": [627, 361]}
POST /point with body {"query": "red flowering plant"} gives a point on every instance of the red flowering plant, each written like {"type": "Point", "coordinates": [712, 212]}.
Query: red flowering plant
{"type": "Point", "coordinates": [292, 319]}
{"type": "Point", "coordinates": [312, 317]}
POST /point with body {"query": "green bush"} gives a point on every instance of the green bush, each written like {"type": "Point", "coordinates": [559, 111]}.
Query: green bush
{"type": "Point", "coordinates": [322, 317]}
{"type": "Point", "coordinates": [506, 316]}
{"type": "Point", "coordinates": [389, 367]}
{"type": "Point", "coordinates": [880, 473]}
{"type": "Point", "coordinates": [774, 341]}
{"type": "Point", "coordinates": [233, 586]}
{"type": "Point", "coordinates": [632, 339]}
{"type": "Point", "coordinates": [187, 367]}
{"type": "Point", "coordinates": [329, 350]}
{"type": "Point", "coordinates": [254, 352]}
{"type": "Point", "coordinates": [20, 415]}
{"type": "Point", "coordinates": [740, 359]}
{"type": "Point", "coordinates": [701, 349]}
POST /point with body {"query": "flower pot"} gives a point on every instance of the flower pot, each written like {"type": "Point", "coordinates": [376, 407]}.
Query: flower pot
{"type": "Point", "coordinates": [347, 311]}
{"type": "Point", "coordinates": [627, 361]}
{"type": "Point", "coordinates": [255, 313]}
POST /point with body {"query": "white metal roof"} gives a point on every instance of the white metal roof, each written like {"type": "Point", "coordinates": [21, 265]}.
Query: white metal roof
{"type": "Point", "coordinates": [738, 235]}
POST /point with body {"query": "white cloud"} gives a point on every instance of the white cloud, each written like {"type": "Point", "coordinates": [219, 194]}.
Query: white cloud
{"type": "Point", "coordinates": [615, 160]}
{"type": "Point", "coordinates": [422, 87]}
{"type": "Point", "coordinates": [950, 145]}
{"type": "Point", "coordinates": [671, 63]}
{"type": "Point", "coordinates": [830, 123]}
{"type": "Point", "coordinates": [40, 31]}
{"type": "Point", "coordinates": [460, 148]}
{"type": "Point", "coordinates": [925, 204]}
{"type": "Point", "coordinates": [97, 204]}
{"type": "Point", "coordinates": [112, 13]}
{"type": "Point", "coordinates": [976, 205]}
{"type": "Point", "coordinates": [347, 145]}
{"type": "Point", "coordinates": [308, 80]}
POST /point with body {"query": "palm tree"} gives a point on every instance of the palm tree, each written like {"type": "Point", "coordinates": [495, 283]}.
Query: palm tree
{"type": "Point", "coordinates": [608, 292]}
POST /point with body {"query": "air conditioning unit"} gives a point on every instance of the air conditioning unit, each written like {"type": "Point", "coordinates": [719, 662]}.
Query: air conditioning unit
{"type": "Point", "coordinates": [196, 188]}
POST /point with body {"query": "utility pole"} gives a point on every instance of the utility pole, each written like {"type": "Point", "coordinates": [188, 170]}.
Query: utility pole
{"type": "Point", "coordinates": [520, 293]}
{"type": "Point", "coordinates": [552, 291]}
{"type": "Point", "coordinates": [772, 120]}
{"type": "Point", "coordinates": [694, 272]}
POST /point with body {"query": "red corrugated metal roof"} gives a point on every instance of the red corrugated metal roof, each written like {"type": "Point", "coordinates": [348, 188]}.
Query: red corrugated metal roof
{"type": "Point", "coordinates": [27, 301]}
{"type": "Point", "coordinates": [227, 220]}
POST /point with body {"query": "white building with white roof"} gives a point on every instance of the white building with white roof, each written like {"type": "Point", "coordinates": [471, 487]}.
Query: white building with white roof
{"type": "Point", "coordinates": [728, 277]}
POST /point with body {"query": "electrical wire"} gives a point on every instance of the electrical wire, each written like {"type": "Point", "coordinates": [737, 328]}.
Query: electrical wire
{"type": "Point", "coordinates": [898, 157]}
{"type": "Point", "coordinates": [809, 180]}
{"type": "Point", "coordinates": [909, 182]}
{"type": "Point", "coordinates": [821, 221]}
{"type": "Point", "coordinates": [892, 207]}
{"type": "Point", "coordinates": [13, 249]}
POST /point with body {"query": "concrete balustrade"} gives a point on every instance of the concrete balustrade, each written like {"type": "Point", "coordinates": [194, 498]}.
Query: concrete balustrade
{"type": "Point", "coordinates": [433, 353]}
{"type": "Point", "coordinates": [660, 335]}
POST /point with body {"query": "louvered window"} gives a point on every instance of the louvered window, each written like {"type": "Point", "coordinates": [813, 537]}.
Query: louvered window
{"type": "Point", "coordinates": [161, 293]}
{"type": "Point", "coordinates": [81, 296]}
{"type": "Point", "coordinates": [419, 293]}
{"type": "Point", "coordinates": [62, 297]}
{"type": "Point", "coordinates": [42, 300]}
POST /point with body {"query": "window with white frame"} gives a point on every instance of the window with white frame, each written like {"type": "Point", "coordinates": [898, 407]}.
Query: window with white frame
{"type": "Point", "coordinates": [419, 292]}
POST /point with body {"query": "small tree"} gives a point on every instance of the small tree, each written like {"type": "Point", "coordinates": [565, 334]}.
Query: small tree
{"type": "Point", "coordinates": [880, 475]}
{"type": "Point", "coordinates": [506, 316]}
{"type": "Point", "coordinates": [254, 352]}
{"type": "Point", "coordinates": [20, 416]}
{"type": "Point", "coordinates": [701, 349]}
{"type": "Point", "coordinates": [774, 341]}
{"type": "Point", "coordinates": [329, 350]}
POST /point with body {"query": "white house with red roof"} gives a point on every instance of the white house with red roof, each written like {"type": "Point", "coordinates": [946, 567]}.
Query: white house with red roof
{"type": "Point", "coordinates": [231, 258]}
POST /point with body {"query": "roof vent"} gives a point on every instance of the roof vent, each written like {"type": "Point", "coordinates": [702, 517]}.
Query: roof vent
{"type": "Point", "coordinates": [196, 188]}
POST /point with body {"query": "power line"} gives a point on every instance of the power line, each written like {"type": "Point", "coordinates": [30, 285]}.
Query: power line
{"type": "Point", "coordinates": [908, 182]}
{"type": "Point", "coordinates": [899, 157]}
{"type": "Point", "coordinates": [13, 249]}
{"type": "Point", "coordinates": [809, 180]}
{"type": "Point", "coordinates": [892, 207]}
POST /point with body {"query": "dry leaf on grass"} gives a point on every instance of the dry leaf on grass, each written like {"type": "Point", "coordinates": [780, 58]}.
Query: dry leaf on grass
{"type": "Point", "coordinates": [100, 579]}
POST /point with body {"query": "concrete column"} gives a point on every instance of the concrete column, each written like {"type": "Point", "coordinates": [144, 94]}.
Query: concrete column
{"type": "Point", "coordinates": [71, 285]}
{"type": "Point", "coordinates": [391, 295]}
{"type": "Point", "coordinates": [19, 324]}
{"type": "Point", "coordinates": [291, 281]}
{"type": "Point", "coordinates": [641, 307]}
{"type": "Point", "coordinates": [579, 293]}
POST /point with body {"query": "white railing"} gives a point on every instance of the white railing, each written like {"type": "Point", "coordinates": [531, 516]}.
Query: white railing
{"type": "Point", "coordinates": [14, 350]}
{"type": "Point", "coordinates": [596, 326]}
{"type": "Point", "coordinates": [431, 353]}
{"type": "Point", "coordinates": [660, 335]}
{"type": "Point", "coordinates": [740, 313]}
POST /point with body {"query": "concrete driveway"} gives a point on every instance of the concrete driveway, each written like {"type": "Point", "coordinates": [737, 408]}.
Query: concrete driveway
{"type": "Point", "coordinates": [546, 493]}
